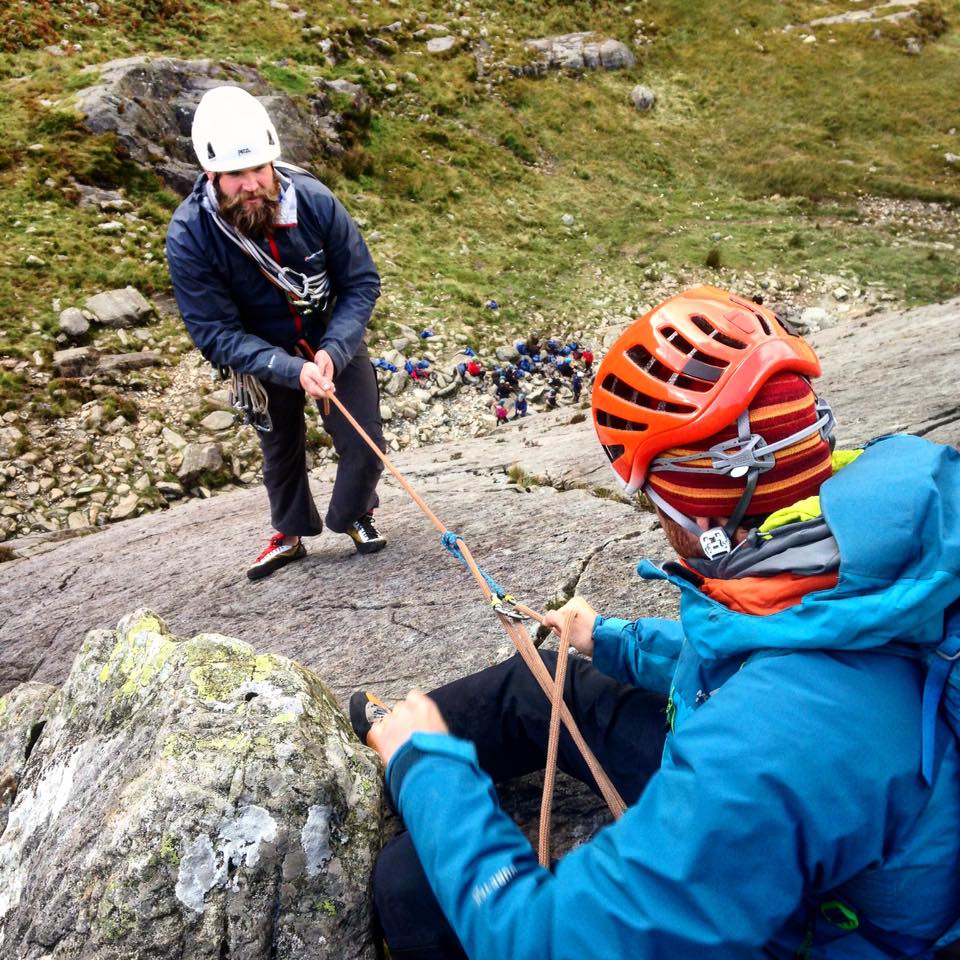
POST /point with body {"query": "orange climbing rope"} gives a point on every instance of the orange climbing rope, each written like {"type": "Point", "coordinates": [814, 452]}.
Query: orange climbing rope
{"type": "Point", "coordinates": [552, 687]}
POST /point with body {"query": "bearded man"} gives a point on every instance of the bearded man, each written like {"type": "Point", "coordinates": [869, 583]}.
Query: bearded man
{"type": "Point", "coordinates": [274, 281]}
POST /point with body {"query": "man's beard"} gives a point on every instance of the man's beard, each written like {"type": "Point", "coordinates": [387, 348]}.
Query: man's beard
{"type": "Point", "coordinates": [254, 220]}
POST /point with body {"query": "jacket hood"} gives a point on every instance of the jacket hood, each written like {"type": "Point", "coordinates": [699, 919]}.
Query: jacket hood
{"type": "Point", "coordinates": [895, 516]}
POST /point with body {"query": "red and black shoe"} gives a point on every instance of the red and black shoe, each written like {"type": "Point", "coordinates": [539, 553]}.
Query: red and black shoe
{"type": "Point", "coordinates": [277, 554]}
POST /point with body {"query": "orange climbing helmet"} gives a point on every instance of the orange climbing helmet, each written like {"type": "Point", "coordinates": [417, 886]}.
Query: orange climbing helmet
{"type": "Point", "coordinates": [685, 370]}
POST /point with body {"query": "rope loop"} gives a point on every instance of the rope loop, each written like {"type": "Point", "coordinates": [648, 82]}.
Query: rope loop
{"type": "Point", "coordinates": [450, 539]}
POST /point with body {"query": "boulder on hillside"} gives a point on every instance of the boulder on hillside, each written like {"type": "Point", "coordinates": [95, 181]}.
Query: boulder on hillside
{"type": "Point", "coordinates": [119, 308]}
{"type": "Point", "coordinates": [191, 799]}
{"type": "Point", "coordinates": [577, 51]}
{"type": "Point", "coordinates": [10, 438]}
{"type": "Point", "coordinates": [109, 364]}
{"type": "Point", "coordinates": [643, 98]}
{"type": "Point", "coordinates": [73, 322]}
{"type": "Point", "coordinates": [149, 104]}
{"type": "Point", "coordinates": [74, 361]}
{"type": "Point", "coordinates": [199, 458]}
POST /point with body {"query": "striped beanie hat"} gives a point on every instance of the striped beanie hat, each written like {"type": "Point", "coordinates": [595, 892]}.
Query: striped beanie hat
{"type": "Point", "coordinates": [785, 404]}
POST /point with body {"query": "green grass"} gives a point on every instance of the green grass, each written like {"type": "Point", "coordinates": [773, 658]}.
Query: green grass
{"type": "Point", "coordinates": [768, 141]}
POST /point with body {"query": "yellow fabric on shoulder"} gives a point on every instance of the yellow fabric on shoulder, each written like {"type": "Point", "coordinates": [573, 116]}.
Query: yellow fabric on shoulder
{"type": "Point", "coordinates": [843, 458]}
{"type": "Point", "coordinates": [809, 508]}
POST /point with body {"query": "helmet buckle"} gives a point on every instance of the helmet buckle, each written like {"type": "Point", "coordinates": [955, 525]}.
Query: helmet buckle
{"type": "Point", "coordinates": [714, 543]}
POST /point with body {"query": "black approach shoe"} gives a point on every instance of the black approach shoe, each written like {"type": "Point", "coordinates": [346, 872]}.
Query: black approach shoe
{"type": "Point", "coordinates": [365, 536]}
{"type": "Point", "coordinates": [366, 709]}
{"type": "Point", "coordinates": [275, 556]}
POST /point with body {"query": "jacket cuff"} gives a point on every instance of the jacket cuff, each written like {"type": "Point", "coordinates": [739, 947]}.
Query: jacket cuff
{"type": "Point", "coordinates": [284, 369]}
{"type": "Point", "coordinates": [608, 645]}
{"type": "Point", "coordinates": [419, 746]}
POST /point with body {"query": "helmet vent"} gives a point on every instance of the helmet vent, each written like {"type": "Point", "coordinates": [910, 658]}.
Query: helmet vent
{"type": "Point", "coordinates": [613, 452]}
{"type": "Point", "coordinates": [651, 365]}
{"type": "Point", "coordinates": [211, 154]}
{"type": "Point", "coordinates": [270, 139]}
{"type": "Point", "coordinates": [613, 422]}
{"type": "Point", "coordinates": [763, 323]}
{"type": "Point", "coordinates": [711, 331]}
{"type": "Point", "coordinates": [619, 388]}
{"type": "Point", "coordinates": [684, 346]}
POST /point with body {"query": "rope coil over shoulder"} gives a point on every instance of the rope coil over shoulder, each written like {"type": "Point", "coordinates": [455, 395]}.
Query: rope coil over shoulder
{"type": "Point", "coordinates": [551, 686]}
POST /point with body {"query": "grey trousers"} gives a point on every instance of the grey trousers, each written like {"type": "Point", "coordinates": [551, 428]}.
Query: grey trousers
{"type": "Point", "coordinates": [292, 510]}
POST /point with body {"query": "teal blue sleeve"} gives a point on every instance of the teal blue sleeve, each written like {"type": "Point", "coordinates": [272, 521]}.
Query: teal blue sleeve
{"type": "Point", "coordinates": [716, 855]}
{"type": "Point", "coordinates": [639, 652]}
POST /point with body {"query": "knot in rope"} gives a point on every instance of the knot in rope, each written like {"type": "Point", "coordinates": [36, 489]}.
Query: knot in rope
{"type": "Point", "coordinates": [449, 539]}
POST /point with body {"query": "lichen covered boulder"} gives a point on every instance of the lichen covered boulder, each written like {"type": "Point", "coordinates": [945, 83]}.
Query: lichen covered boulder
{"type": "Point", "coordinates": [21, 723]}
{"type": "Point", "coordinates": [191, 799]}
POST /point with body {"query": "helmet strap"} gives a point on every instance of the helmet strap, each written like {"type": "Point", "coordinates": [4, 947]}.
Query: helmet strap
{"type": "Point", "coordinates": [717, 541]}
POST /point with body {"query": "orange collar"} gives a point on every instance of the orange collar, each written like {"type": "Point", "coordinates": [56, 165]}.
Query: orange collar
{"type": "Point", "coordinates": [761, 596]}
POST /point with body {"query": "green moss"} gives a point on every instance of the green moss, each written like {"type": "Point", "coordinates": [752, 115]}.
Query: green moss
{"type": "Point", "coordinates": [168, 850]}
{"type": "Point", "coordinates": [328, 907]}
{"type": "Point", "coordinates": [114, 920]}
{"type": "Point", "coordinates": [283, 718]}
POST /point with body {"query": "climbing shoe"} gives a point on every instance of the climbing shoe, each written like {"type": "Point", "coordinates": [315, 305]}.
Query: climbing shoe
{"type": "Point", "coordinates": [276, 555]}
{"type": "Point", "coordinates": [365, 536]}
{"type": "Point", "coordinates": [366, 709]}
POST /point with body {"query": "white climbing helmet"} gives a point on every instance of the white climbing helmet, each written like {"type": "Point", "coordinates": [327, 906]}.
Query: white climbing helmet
{"type": "Point", "coordinates": [232, 131]}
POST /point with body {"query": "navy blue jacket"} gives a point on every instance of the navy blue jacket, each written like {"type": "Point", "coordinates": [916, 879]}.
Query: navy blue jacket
{"type": "Point", "coordinates": [237, 318]}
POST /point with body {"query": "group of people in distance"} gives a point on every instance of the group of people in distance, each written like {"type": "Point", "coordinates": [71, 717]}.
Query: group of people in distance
{"type": "Point", "coordinates": [785, 748]}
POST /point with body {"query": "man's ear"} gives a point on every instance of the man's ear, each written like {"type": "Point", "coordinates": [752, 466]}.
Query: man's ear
{"type": "Point", "coordinates": [211, 176]}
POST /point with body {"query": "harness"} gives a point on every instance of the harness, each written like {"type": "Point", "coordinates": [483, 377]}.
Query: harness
{"type": "Point", "coordinates": [307, 292]}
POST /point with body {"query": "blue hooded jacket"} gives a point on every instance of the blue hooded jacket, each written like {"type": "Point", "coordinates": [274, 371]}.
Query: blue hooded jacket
{"type": "Point", "coordinates": [237, 318]}
{"type": "Point", "coordinates": [789, 817]}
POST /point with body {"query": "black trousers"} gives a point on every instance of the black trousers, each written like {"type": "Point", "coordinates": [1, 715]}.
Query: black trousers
{"type": "Point", "coordinates": [506, 715]}
{"type": "Point", "coordinates": [292, 510]}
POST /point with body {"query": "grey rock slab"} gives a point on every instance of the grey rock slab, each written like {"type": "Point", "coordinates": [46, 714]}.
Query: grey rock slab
{"type": "Point", "coordinates": [581, 51]}
{"type": "Point", "coordinates": [111, 363]}
{"type": "Point", "coordinates": [891, 373]}
{"type": "Point", "coordinates": [192, 798]}
{"type": "Point", "coordinates": [74, 361]}
{"type": "Point", "coordinates": [119, 308]}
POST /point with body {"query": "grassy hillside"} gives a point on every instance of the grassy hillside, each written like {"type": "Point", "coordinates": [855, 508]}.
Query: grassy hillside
{"type": "Point", "coordinates": [772, 143]}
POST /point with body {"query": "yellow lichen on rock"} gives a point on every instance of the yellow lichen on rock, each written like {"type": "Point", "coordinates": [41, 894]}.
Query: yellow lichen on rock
{"type": "Point", "coordinates": [143, 649]}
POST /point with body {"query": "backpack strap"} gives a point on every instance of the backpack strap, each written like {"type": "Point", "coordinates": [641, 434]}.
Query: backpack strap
{"type": "Point", "coordinates": [939, 665]}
